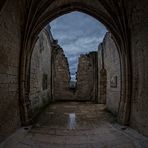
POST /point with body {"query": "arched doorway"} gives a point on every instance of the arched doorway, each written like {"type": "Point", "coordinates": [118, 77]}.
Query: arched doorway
{"type": "Point", "coordinates": [42, 14]}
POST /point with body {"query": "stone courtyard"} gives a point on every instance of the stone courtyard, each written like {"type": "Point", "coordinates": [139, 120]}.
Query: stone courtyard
{"type": "Point", "coordinates": [92, 126]}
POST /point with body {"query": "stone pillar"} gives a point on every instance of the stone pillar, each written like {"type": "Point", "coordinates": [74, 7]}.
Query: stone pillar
{"type": "Point", "coordinates": [102, 74]}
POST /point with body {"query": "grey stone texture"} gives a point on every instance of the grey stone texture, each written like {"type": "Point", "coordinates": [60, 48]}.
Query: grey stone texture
{"type": "Point", "coordinates": [10, 44]}
{"type": "Point", "coordinates": [61, 76]}
{"type": "Point", "coordinates": [139, 54]}
{"type": "Point", "coordinates": [109, 74]}
{"type": "Point", "coordinates": [106, 60]}
{"type": "Point", "coordinates": [40, 72]}
{"type": "Point", "coordinates": [87, 75]}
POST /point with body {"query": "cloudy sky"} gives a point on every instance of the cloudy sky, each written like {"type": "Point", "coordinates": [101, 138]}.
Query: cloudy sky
{"type": "Point", "coordinates": [77, 34]}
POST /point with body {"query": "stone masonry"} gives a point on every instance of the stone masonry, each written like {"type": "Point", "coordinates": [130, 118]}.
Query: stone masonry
{"type": "Point", "coordinates": [86, 85]}
{"type": "Point", "coordinates": [60, 75]}
{"type": "Point", "coordinates": [109, 74]}
{"type": "Point", "coordinates": [87, 75]}
{"type": "Point", "coordinates": [98, 76]}
{"type": "Point", "coordinates": [40, 71]}
{"type": "Point", "coordinates": [10, 44]}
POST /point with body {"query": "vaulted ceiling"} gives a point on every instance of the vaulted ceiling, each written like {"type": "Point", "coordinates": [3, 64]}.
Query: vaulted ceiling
{"type": "Point", "coordinates": [112, 13]}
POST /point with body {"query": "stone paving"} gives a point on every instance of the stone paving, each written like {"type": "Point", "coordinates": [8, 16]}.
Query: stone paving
{"type": "Point", "coordinates": [76, 125]}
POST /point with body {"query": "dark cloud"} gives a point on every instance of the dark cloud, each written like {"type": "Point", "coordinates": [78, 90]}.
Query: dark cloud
{"type": "Point", "coordinates": [77, 33]}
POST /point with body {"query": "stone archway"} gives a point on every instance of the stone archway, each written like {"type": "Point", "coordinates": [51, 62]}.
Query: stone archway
{"type": "Point", "coordinates": [111, 14]}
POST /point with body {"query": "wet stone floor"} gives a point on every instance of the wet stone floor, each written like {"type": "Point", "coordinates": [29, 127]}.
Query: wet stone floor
{"type": "Point", "coordinates": [77, 125]}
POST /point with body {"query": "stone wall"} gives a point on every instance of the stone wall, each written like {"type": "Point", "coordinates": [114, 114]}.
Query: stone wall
{"type": "Point", "coordinates": [102, 76]}
{"type": "Point", "coordinates": [112, 66]}
{"type": "Point", "coordinates": [109, 74]}
{"type": "Point", "coordinates": [139, 54]}
{"type": "Point", "coordinates": [86, 89]}
{"type": "Point", "coordinates": [61, 76]}
{"type": "Point", "coordinates": [86, 85]}
{"type": "Point", "coordinates": [10, 44]}
{"type": "Point", "coordinates": [40, 72]}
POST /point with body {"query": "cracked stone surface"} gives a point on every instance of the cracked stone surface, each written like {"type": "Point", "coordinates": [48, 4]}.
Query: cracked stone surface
{"type": "Point", "coordinates": [76, 125]}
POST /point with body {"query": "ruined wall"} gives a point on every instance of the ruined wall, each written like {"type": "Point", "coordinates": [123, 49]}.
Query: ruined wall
{"type": "Point", "coordinates": [112, 66]}
{"type": "Point", "coordinates": [40, 72]}
{"type": "Point", "coordinates": [10, 44]}
{"type": "Point", "coordinates": [109, 74]}
{"type": "Point", "coordinates": [61, 76]}
{"type": "Point", "coordinates": [139, 53]}
{"type": "Point", "coordinates": [87, 77]}
{"type": "Point", "coordinates": [86, 86]}
{"type": "Point", "coordinates": [102, 76]}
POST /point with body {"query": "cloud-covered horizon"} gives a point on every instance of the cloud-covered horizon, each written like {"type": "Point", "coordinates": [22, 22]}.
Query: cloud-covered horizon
{"type": "Point", "coordinates": [77, 33]}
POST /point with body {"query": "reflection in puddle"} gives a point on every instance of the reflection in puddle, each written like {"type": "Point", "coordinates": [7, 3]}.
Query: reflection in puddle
{"type": "Point", "coordinates": [72, 121]}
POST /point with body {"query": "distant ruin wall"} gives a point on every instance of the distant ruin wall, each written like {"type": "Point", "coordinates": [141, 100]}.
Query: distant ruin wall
{"type": "Point", "coordinates": [86, 86]}
{"type": "Point", "coordinates": [40, 72]}
{"type": "Point", "coordinates": [61, 76]}
{"type": "Point", "coordinates": [87, 77]}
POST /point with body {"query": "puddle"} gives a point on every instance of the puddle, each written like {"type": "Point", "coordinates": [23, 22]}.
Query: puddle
{"type": "Point", "coordinates": [72, 121]}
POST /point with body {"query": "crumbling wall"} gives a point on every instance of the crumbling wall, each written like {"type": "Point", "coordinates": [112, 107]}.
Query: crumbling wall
{"type": "Point", "coordinates": [61, 76]}
{"type": "Point", "coordinates": [109, 74]}
{"type": "Point", "coordinates": [86, 85]}
{"type": "Point", "coordinates": [112, 66]}
{"type": "Point", "coordinates": [87, 77]}
{"type": "Point", "coordinates": [40, 72]}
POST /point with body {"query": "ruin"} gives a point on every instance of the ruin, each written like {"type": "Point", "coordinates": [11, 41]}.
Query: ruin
{"type": "Point", "coordinates": [61, 76]}
{"type": "Point", "coordinates": [40, 75]}
{"type": "Point", "coordinates": [109, 70]}
{"type": "Point", "coordinates": [26, 85]}
{"type": "Point", "coordinates": [87, 77]}
{"type": "Point", "coordinates": [84, 88]}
